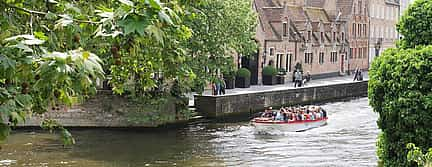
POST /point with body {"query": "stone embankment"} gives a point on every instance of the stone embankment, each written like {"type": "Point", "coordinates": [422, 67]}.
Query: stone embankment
{"type": "Point", "coordinates": [255, 101]}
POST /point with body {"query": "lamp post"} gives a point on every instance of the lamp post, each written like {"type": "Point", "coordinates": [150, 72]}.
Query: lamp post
{"type": "Point", "coordinates": [378, 46]}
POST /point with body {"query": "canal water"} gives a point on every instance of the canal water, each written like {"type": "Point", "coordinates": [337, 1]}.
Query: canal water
{"type": "Point", "coordinates": [347, 140]}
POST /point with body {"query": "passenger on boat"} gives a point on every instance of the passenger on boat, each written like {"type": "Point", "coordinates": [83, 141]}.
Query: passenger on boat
{"type": "Point", "coordinates": [279, 116]}
{"type": "Point", "coordinates": [268, 113]}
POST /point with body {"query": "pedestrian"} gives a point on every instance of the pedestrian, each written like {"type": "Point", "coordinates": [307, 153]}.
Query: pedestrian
{"type": "Point", "coordinates": [298, 79]}
{"type": "Point", "coordinates": [218, 87]}
{"type": "Point", "coordinates": [213, 85]}
{"type": "Point", "coordinates": [356, 73]}
{"type": "Point", "coordinates": [360, 76]}
{"type": "Point", "coordinates": [307, 78]}
{"type": "Point", "coordinates": [223, 86]}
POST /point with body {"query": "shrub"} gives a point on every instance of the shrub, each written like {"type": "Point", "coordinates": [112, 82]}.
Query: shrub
{"type": "Point", "coordinates": [282, 71]}
{"type": "Point", "coordinates": [244, 73]}
{"type": "Point", "coordinates": [270, 71]}
{"type": "Point", "coordinates": [416, 155]}
{"type": "Point", "coordinates": [400, 91]}
{"type": "Point", "coordinates": [415, 24]}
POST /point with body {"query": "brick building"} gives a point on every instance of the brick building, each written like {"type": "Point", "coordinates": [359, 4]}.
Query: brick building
{"type": "Point", "coordinates": [327, 37]}
{"type": "Point", "coordinates": [384, 15]}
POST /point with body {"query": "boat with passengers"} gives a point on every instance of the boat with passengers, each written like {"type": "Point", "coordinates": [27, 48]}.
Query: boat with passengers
{"type": "Point", "coordinates": [290, 119]}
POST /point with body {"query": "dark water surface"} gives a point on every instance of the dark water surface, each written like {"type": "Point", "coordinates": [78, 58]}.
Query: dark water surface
{"type": "Point", "coordinates": [347, 140]}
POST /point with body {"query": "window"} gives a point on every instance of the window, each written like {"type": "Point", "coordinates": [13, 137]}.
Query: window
{"type": "Point", "coordinates": [322, 37]}
{"type": "Point", "coordinates": [360, 7]}
{"type": "Point", "coordinates": [364, 30]}
{"type": "Point", "coordinates": [359, 56]}
{"type": "Point", "coordinates": [321, 58]}
{"type": "Point", "coordinates": [351, 52]}
{"type": "Point", "coordinates": [309, 36]}
{"type": "Point", "coordinates": [285, 32]}
{"type": "Point", "coordinates": [279, 60]}
{"type": "Point", "coordinates": [308, 58]}
{"type": "Point", "coordinates": [365, 53]}
{"type": "Point", "coordinates": [271, 51]}
{"type": "Point", "coordinates": [354, 53]}
{"type": "Point", "coordinates": [288, 62]}
{"type": "Point", "coordinates": [334, 36]}
{"type": "Point", "coordinates": [359, 30]}
{"type": "Point", "coordinates": [354, 30]}
{"type": "Point", "coordinates": [333, 57]}
{"type": "Point", "coordinates": [343, 36]}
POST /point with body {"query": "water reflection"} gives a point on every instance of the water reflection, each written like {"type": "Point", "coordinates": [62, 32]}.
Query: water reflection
{"type": "Point", "coordinates": [347, 140]}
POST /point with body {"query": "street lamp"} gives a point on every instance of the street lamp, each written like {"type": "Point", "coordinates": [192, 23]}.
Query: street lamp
{"type": "Point", "coordinates": [378, 46]}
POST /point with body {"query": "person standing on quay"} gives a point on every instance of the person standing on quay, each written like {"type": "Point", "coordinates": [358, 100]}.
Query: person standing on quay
{"type": "Point", "coordinates": [222, 85]}
{"type": "Point", "coordinates": [356, 73]}
{"type": "Point", "coordinates": [298, 79]}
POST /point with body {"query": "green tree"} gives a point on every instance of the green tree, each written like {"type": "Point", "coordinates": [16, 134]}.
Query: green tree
{"type": "Point", "coordinates": [400, 88]}
{"type": "Point", "coordinates": [53, 52]}
{"type": "Point", "coordinates": [415, 24]}
{"type": "Point", "coordinates": [416, 155]}
{"type": "Point", "coordinates": [48, 51]}
{"type": "Point", "coordinates": [221, 28]}
{"type": "Point", "coordinates": [400, 91]}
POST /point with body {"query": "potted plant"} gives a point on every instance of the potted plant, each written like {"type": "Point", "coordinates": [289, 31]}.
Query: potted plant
{"type": "Point", "coordinates": [243, 78]}
{"type": "Point", "coordinates": [229, 78]}
{"type": "Point", "coordinates": [269, 75]}
{"type": "Point", "coordinates": [281, 76]}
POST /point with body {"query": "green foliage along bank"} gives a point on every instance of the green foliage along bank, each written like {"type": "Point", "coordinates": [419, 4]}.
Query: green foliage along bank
{"type": "Point", "coordinates": [400, 87]}
{"type": "Point", "coordinates": [415, 25]}
{"type": "Point", "coordinates": [54, 52]}
{"type": "Point", "coordinates": [416, 155]}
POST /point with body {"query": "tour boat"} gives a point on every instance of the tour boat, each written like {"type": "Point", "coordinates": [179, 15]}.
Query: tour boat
{"type": "Point", "coordinates": [263, 124]}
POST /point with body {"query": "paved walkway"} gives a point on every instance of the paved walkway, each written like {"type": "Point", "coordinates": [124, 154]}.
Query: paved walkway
{"type": "Point", "coordinates": [288, 85]}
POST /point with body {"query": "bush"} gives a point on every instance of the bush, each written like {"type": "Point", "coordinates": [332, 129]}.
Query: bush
{"type": "Point", "coordinates": [244, 73]}
{"type": "Point", "coordinates": [400, 90]}
{"type": "Point", "coordinates": [415, 24]}
{"type": "Point", "coordinates": [229, 74]}
{"type": "Point", "coordinates": [270, 71]}
{"type": "Point", "coordinates": [416, 155]}
{"type": "Point", "coordinates": [282, 71]}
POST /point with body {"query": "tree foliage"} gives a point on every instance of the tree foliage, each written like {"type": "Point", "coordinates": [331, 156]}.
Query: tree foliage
{"type": "Point", "coordinates": [400, 91]}
{"type": "Point", "coordinates": [400, 88]}
{"type": "Point", "coordinates": [415, 154]}
{"type": "Point", "coordinates": [53, 52]}
{"type": "Point", "coordinates": [415, 24]}
{"type": "Point", "coordinates": [221, 29]}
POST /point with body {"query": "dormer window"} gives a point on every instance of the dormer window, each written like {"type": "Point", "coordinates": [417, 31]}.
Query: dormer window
{"type": "Point", "coordinates": [322, 37]}
{"type": "Point", "coordinates": [271, 51]}
{"type": "Point", "coordinates": [334, 36]}
{"type": "Point", "coordinates": [284, 28]}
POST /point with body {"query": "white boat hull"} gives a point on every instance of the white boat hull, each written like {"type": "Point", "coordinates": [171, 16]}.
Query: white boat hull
{"type": "Point", "coordinates": [287, 126]}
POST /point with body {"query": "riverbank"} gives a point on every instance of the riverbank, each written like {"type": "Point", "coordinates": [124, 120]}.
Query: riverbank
{"type": "Point", "coordinates": [256, 98]}
{"type": "Point", "coordinates": [111, 111]}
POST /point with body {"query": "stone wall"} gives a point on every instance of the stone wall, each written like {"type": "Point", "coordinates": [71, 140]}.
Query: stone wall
{"type": "Point", "coordinates": [219, 106]}
{"type": "Point", "coordinates": [103, 110]}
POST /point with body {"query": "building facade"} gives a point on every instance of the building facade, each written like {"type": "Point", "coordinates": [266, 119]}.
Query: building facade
{"type": "Point", "coordinates": [404, 5]}
{"type": "Point", "coordinates": [384, 15]}
{"type": "Point", "coordinates": [291, 32]}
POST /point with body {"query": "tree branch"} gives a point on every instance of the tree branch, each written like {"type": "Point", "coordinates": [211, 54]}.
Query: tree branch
{"type": "Point", "coordinates": [44, 13]}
